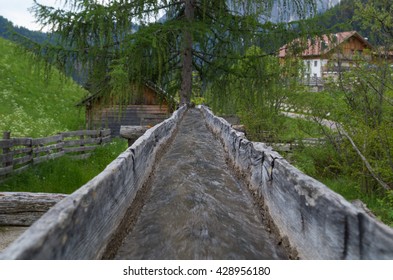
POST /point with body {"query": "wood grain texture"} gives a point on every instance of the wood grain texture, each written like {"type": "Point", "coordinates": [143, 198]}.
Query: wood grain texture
{"type": "Point", "coordinates": [317, 222]}
{"type": "Point", "coordinates": [23, 209]}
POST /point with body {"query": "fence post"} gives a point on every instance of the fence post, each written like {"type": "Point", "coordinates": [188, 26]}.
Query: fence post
{"type": "Point", "coordinates": [101, 135]}
{"type": "Point", "coordinates": [7, 151]}
{"type": "Point", "coordinates": [31, 153]}
{"type": "Point", "coordinates": [61, 141]}
{"type": "Point", "coordinates": [82, 138]}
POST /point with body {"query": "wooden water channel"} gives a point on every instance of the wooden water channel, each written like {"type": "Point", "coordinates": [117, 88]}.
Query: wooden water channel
{"type": "Point", "coordinates": [194, 188]}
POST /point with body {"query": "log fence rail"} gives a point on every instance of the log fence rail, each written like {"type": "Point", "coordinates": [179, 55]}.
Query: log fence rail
{"type": "Point", "coordinates": [17, 154]}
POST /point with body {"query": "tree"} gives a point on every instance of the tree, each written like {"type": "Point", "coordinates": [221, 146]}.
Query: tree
{"type": "Point", "coordinates": [122, 42]}
{"type": "Point", "coordinates": [366, 111]}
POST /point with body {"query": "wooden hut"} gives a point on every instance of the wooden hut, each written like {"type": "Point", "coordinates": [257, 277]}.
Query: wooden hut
{"type": "Point", "coordinates": [147, 108]}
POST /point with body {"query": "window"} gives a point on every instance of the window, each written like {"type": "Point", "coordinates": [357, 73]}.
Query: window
{"type": "Point", "coordinates": [315, 63]}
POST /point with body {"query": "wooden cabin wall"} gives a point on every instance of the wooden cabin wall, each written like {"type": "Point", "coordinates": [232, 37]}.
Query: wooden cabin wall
{"type": "Point", "coordinates": [145, 109]}
{"type": "Point", "coordinates": [352, 46]}
{"type": "Point", "coordinates": [113, 117]}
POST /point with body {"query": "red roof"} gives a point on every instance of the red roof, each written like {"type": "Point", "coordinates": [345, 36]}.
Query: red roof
{"type": "Point", "coordinates": [320, 45]}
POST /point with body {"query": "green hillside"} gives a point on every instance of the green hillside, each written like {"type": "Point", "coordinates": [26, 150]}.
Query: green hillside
{"type": "Point", "coordinates": [7, 30]}
{"type": "Point", "coordinates": [341, 18]}
{"type": "Point", "coordinates": [30, 103]}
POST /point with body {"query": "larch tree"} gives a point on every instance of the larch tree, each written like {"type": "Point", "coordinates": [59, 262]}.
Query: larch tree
{"type": "Point", "coordinates": [123, 42]}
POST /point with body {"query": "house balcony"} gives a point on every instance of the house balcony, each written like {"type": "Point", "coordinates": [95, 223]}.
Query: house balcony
{"type": "Point", "coordinates": [352, 57]}
{"type": "Point", "coordinates": [334, 69]}
{"type": "Point", "coordinates": [314, 81]}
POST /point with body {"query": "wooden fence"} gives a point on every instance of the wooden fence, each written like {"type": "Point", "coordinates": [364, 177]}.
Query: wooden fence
{"type": "Point", "coordinates": [17, 154]}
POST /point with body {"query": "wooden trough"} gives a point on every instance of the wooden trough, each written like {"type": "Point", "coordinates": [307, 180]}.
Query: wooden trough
{"type": "Point", "coordinates": [313, 220]}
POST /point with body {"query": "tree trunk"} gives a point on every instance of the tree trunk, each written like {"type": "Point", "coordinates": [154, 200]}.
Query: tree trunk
{"type": "Point", "coordinates": [186, 74]}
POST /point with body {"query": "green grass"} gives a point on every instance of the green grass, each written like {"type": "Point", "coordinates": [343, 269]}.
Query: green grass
{"type": "Point", "coordinates": [320, 163]}
{"type": "Point", "coordinates": [296, 129]}
{"type": "Point", "coordinates": [326, 104]}
{"type": "Point", "coordinates": [281, 129]}
{"type": "Point", "coordinates": [32, 105]}
{"type": "Point", "coordinates": [380, 203]}
{"type": "Point", "coordinates": [64, 175]}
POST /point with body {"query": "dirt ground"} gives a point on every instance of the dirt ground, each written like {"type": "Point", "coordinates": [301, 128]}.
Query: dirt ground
{"type": "Point", "coordinates": [9, 234]}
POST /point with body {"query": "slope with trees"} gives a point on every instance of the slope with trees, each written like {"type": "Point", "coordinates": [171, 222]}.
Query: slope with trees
{"type": "Point", "coordinates": [8, 31]}
{"type": "Point", "coordinates": [343, 17]}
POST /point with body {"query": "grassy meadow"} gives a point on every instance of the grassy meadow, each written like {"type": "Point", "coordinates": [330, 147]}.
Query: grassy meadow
{"type": "Point", "coordinates": [33, 104]}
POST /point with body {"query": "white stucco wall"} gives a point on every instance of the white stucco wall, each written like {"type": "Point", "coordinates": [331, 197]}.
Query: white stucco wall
{"type": "Point", "coordinates": [314, 67]}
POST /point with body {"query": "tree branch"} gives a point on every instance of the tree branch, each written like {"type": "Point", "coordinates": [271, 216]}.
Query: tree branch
{"type": "Point", "coordinates": [365, 161]}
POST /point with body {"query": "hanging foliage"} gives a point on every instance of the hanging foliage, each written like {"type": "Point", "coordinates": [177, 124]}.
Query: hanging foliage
{"type": "Point", "coordinates": [163, 42]}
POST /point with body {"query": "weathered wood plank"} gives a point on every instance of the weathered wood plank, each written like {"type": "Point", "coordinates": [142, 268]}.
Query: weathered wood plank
{"type": "Point", "coordinates": [6, 158]}
{"type": "Point", "coordinates": [106, 139]}
{"type": "Point", "coordinates": [48, 148]}
{"type": "Point", "coordinates": [105, 132]}
{"type": "Point", "coordinates": [138, 107]}
{"type": "Point", "coordinates": [47, 157]}
{"type": "Point", "coordinates": [6, 170]}
{"type": "Point", "coordinates": [47, 140]}
{"type": "Point", "coordinates": [22, 209]}
{"type": "Point", "coordinates": [135, 109]}
{"type": "Point", "coordinates": [6, 143]}
{"type": "Point", "coordinates": [150, 115]}
{"type": "Point", "coordinates": [70, 143]}
{"type": "Point", "coordinates": [22, 151]}
{"type": "Point", "coordinates": [80, 133]}
{"type": "Point", "coordinates": [132, 112]}
{"type": "Point", "coordinates": [132, 131]}
{"type": "Point", "coordinates": [151, 122]}
{"type": "Point", "coordinates": [22, 141]}
{"type": "Point", "coordinates": [23, 160]}
{"type": "Point", "coordinates": [79, 149]}
{"type": "Point", "coordinates": [126, 120]}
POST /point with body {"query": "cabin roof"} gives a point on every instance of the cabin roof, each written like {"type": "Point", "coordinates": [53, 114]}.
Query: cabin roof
{"type": "Point", "coordinates": [161, 92]}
